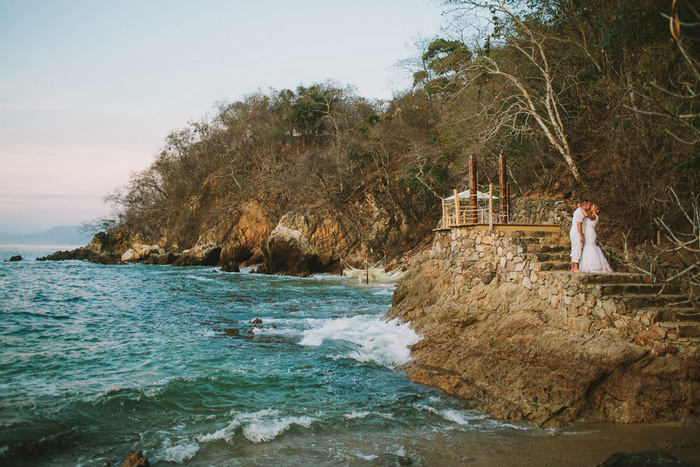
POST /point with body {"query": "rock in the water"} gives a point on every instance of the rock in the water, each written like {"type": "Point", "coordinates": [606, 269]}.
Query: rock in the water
{"type": "Point", "coordinates": [81, 254]}
{"type": "Point", "coordinates": [167, 258]}
{"type": "Point", "coordinates": [136, 459]}
{"type": "Point", "coordinates": [16, 258]}
{"type": "Point", "coordinates": [392, 460]}
{"type": "Point", "coordinates": [656, 458]}
{"type": "Point", "coordinates": [103, 258]}
{"type": "Point", "coordinates": [231, 266]}
{"type": "Point", "coordinates": [251, 331]}
{"type": "Point", "coordinates": [103, 249]}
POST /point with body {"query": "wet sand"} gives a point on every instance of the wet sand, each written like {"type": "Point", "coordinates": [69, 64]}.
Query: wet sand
{"type": "Point", "coordinates": [580, 445]}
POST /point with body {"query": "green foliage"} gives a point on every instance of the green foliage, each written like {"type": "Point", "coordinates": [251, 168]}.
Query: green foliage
{"type": "Point", "coordinates": [442, 60]}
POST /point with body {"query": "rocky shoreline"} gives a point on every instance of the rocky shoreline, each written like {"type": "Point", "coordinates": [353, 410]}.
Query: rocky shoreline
{"type": "Point", "coordinates": [313, 239]}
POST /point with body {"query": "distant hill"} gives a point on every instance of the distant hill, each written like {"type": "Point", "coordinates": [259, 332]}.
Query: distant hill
{"type": "Point", "coordinates": [66, 235]}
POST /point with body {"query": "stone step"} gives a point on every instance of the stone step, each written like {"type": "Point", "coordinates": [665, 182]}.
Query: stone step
{"type": "Point", "coordinates": [674, 315]}
{"type": "Point", "coordinates": [637, 302]}
{"type": "Point", "coordinates": [689, 330]}
{"type": "Point", "coordinates": [639, 289]}
{"type": "Point", "coordinates": [555, 266]}
{"type": "Point", "coordinates": [615, 278]}
{"type": "Point", "coordinates": [527, 241]}
{"type": "Point", "coordinates": [548, 234]}
{"type": "Point", "coordinates": [546, 248]}
{"type": "Point", "coordinates": [543, 257]}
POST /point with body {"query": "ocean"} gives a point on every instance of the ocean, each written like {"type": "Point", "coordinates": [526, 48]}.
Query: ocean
{"type": "Point", "coordinates": [195, 366]}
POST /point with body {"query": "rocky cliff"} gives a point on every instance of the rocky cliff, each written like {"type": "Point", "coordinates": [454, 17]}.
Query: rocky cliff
{"type": "Point", "coordinates": [506, 327]}
{"type": "Point", "coordinates": [303, 240]}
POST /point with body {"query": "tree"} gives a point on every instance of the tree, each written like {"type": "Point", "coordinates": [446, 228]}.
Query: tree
{"type": "Point", "coordinates": [533, 95]}
{"type": "Point", "coordinates": [442, 62]}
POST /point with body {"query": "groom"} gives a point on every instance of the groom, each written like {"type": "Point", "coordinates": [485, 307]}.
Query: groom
{"type": "Point", "coordinates": [576, 234]}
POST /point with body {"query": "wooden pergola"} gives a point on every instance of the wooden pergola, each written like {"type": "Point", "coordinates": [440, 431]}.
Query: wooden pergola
{"type": "Point", "coordinates": [466, 211]}
{"type": "Point", "coordinates": [494, 212]}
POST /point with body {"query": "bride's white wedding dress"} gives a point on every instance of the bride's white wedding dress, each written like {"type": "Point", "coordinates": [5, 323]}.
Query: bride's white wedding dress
{"type": "Point", "coordinates": [592, 258]}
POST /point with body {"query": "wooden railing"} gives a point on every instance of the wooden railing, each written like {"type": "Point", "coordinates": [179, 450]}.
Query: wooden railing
{"type": "Point", "coordinates": [470, 213]}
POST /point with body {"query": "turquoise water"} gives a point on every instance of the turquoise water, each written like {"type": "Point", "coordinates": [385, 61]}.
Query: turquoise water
{"type": "Point", "coordinates": [100, 360]}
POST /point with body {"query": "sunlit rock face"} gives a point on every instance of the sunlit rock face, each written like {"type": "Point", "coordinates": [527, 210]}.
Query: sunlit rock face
{"type": "Point", "coordinates": [313, 240]}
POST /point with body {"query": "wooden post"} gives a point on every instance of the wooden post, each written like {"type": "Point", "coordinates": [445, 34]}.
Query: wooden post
{"type": "Point", "coordinates": [444, 220]}
{"type": "Point", "coordinates": [508, 204]}
{"type": "Point", "coordinates": [456, 208]}
{"type": "Point", "coordinates": [503, 182]}
{"type": "Point", "coordinates": [367, 268]}
{"type": "Point", "coordinates": [490, 207]}
{"type": "Point", "coordinates": [472, 190]}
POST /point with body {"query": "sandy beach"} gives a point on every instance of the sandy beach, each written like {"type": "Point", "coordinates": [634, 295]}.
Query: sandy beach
{"type": "Point", "coordinates": [579, 445]}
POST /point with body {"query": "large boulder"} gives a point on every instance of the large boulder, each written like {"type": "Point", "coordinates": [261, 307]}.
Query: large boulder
{"type": "Point", "coordinates": [141, 252]}
{"type": "Point", "coordinates": [200, 255]}
{"type": "Point", "coordinates": [312, 240]}
{"type": "Point", "coordinates": [288, 251]}
{"type": "Point", "coordinates": [136, 459]}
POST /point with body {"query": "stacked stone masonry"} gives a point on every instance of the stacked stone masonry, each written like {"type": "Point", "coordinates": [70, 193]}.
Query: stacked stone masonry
{"type": "Point", "coordinates": [622, 304]}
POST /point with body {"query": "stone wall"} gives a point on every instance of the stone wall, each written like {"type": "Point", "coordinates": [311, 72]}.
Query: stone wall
{"type": "Point", "coordinates": [541, 211]}
{"type": "Point", "coordinates": [581, 302]}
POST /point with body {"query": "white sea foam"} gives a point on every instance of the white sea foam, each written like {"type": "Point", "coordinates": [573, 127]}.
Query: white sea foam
{"type": "Point", "coordinates": [352, 415]}
{"type": "Point", "coordinates": [386, 291]}
{"type": "Point", "coordinates": [258, 427]}
{"type": "Point", "coordinates": [384, 342]}
{"type": "Point", "coordinates": [267, 430]}
{"type": "Point", "coordinates": [225, 433]}
{"type": "Point", "coordinates": [454, 416]}
{"type": "Point", "coordinates": [460, 417]}
{"type": "Point", "coordinates": [200, 278]}
{"type": "Point", "coordinates": [327, 277]}
{"type": "Point", "coordinates": [183, 450]}
{"type": "Point", "coordinates": [206, 333]}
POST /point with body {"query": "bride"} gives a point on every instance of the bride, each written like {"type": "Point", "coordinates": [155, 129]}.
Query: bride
{"type": "Point", "coordinates": [592, 258]}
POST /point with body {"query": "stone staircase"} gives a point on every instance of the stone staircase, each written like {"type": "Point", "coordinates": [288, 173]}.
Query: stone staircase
{"type": "Point", "coordinates": [632, 292]}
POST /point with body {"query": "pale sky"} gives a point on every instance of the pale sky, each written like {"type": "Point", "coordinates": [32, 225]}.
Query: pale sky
{"type": "Point", "coordinates": [89, 89]}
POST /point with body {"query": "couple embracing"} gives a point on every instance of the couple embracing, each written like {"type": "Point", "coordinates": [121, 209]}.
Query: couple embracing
{"type": "Point", "coordinates": [586, 256]}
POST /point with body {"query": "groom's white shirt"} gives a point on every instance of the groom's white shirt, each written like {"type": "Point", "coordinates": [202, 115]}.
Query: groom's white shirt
{"type": "Point", "coordinates": [578, 217]}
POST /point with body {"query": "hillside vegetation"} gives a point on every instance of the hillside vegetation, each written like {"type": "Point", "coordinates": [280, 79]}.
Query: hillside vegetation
{"type": "Point", "coordinates": [586, 98]}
